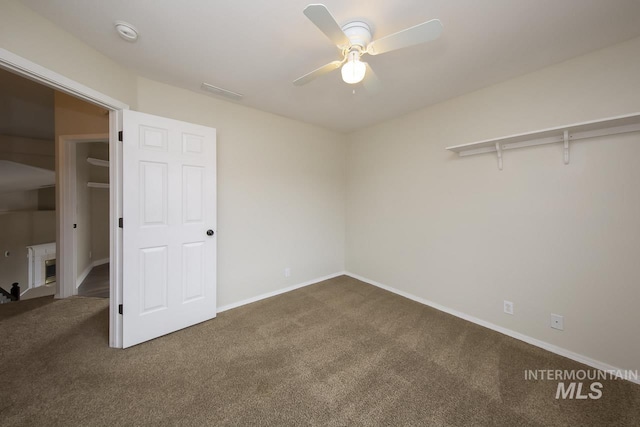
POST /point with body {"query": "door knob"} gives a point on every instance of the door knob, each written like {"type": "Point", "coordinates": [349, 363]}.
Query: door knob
{"type": "Point", "coordinates": [209, 232]}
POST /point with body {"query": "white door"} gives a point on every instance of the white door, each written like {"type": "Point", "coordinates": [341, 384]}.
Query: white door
{"type": "Point", "coordinates": [169, 219]}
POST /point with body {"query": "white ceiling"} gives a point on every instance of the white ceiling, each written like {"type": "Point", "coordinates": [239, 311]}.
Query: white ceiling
{"type": "Point", "coordinates": [258, 47]}
{"type": "Point", "coordinates": [18, 177]}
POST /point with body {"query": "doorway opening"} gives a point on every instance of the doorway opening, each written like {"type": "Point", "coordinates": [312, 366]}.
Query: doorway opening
{"type": "Point", "coordinates": [169, 168]}
{"type": "Point", "coordinates": [27, 189]}
{"type": "Point", "coordinates": [94, 185]}
{"type": "Point", "coordinates": [32, 117]}
{"type": "Point", "coordinates": [84, 191]}
{"type": "Point", "coordinates": [63, 244]}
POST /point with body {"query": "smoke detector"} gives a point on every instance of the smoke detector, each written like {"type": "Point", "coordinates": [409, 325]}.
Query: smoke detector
{"type": "Point", "coordinates": [127, 31]}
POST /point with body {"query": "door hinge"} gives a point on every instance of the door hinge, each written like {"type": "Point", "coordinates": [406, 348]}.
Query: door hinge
{"type": "Point", "coordinates": [120, 136]}
{"type": "Point", "coordinates": [120, 222]}
{"type": "Point", "coordinates": [120, 309]}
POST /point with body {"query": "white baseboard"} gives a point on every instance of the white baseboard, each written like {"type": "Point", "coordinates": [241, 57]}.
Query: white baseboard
{"type": "Point", "coordinates": [100, 262]}
{"type": "Point", "coordinates": [83, 275]}
{"type": "Point", "coordinates": [87, 270]}
{"type": "Point", "coordinates": [278, 292]}
{"type": "Point", "coordinates": [40, 291]}
{"type": "Point", "coordinates": [529, 340]}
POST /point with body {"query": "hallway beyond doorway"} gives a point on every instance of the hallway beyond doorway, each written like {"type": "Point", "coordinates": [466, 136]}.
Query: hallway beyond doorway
{"type": "Point", "coordinates": [96, 284]}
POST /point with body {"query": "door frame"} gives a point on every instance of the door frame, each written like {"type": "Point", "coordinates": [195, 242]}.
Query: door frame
{"type": "Point", "coordinates": [66, 281]}
{"type": "Point", "coordinates": [32, 71]}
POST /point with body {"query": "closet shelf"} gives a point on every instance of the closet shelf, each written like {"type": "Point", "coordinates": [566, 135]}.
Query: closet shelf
{"type": "Point", "coordinates": [560, 134]}
{"type": "Point", "coordinates": [97, 185]}
{"type": "Point", "coordinates": [98, 162]}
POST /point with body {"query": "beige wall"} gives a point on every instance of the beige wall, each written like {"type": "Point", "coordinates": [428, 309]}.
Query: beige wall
{"type": "Point", "coordinates": [47, 199]}
{"type": "Point", "coordinates": [549, 237]}
{"type": "Point", "coordinates": [33, 37]}
{"type": "Point", "coordinates": [82, 211]}
{"type": "Point", "coordinates": [39, 153]}
{"type": "Point", "coordinates": [99, 203]}
{"type": "Point", "coordinates": [76, 117]}
{"type": "Point", "coordinates": [19, 201]}
{"type": "Point", "coordinates": [281, 188]}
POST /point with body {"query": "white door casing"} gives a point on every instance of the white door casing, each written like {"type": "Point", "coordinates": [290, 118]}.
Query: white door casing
{"type": "Point", "coordinates": [169, 205]}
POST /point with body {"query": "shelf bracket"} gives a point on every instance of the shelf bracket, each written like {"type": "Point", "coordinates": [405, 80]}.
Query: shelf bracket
{"type": "Point", "coordinates": [566, 147]}
{"type": "Point", "coordinates": [499, 151]}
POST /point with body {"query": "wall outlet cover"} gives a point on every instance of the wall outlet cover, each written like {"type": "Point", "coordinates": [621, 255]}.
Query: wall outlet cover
{"type": "Point", "coordinates": [508, 307]}
{"type": "Point", "coordinates": [557, 322]}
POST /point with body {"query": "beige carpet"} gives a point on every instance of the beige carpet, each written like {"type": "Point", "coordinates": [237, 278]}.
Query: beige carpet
{"type": "Point", "coordinates": [340, 352]}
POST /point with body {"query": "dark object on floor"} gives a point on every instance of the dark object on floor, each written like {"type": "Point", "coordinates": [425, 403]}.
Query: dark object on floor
{"type": "Point", "coordinates": [6, 297]}
{"type": "Point", "coordinates": [15, 291]}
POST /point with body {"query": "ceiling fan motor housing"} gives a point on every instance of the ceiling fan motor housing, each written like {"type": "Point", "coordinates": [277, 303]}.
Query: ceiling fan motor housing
{"type": "Point", "coordinates": [358, 33]}
{"type": "Point", "coordinates": [354, 40]}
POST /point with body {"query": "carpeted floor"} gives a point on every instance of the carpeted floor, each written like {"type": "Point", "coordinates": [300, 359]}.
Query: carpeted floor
{"type": "Point", "coordinates": [340, 352]}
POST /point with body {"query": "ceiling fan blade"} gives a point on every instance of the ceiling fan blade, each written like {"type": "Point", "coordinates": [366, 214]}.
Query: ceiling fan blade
{"type": "Point", "coordinates": [371, 81]}
{"type": "Point", "coordinates": [420, 33]}
{"type": "Point", "coordinates": [322, 18]}
{"type": "Point", "coordinates": [317, 73]}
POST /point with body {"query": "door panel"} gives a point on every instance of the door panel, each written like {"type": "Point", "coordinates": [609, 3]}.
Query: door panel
{"type": "Point", "coordinates": [154, 200]}
{"type": "Point", "coordinates": [169, 203]}
{"type": "Point", "coordinates": [153, 279]}
{"type": "Point", "coordinates": [192, 269]}
{"type": "Point", "coordinates": [193, 194]}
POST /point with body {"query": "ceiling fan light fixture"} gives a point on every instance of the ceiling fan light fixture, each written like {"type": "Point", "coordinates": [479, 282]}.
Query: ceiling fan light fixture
{"type": "Point", "coordinates": [353, 70]}
{"type": "Point", "coordinates": [354, 40]}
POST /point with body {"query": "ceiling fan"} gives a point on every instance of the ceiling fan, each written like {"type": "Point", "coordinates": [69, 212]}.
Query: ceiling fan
{"type": "Point", "coordinates": [354, 40]}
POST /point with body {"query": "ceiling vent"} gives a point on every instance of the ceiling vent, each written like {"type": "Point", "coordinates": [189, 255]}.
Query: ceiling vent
{"type": "Point", "coordinates": [222, 92]}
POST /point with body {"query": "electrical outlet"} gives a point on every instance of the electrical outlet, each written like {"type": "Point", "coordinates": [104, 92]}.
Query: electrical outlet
{"type": "Point", "coordinates": [508, 307]}
{"type": "Point", "coordinates": [557, 322]}
{"type": "Point", "coordinates": [287, 272]}
{"type": "Point", "coordinates": [90, 255]}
